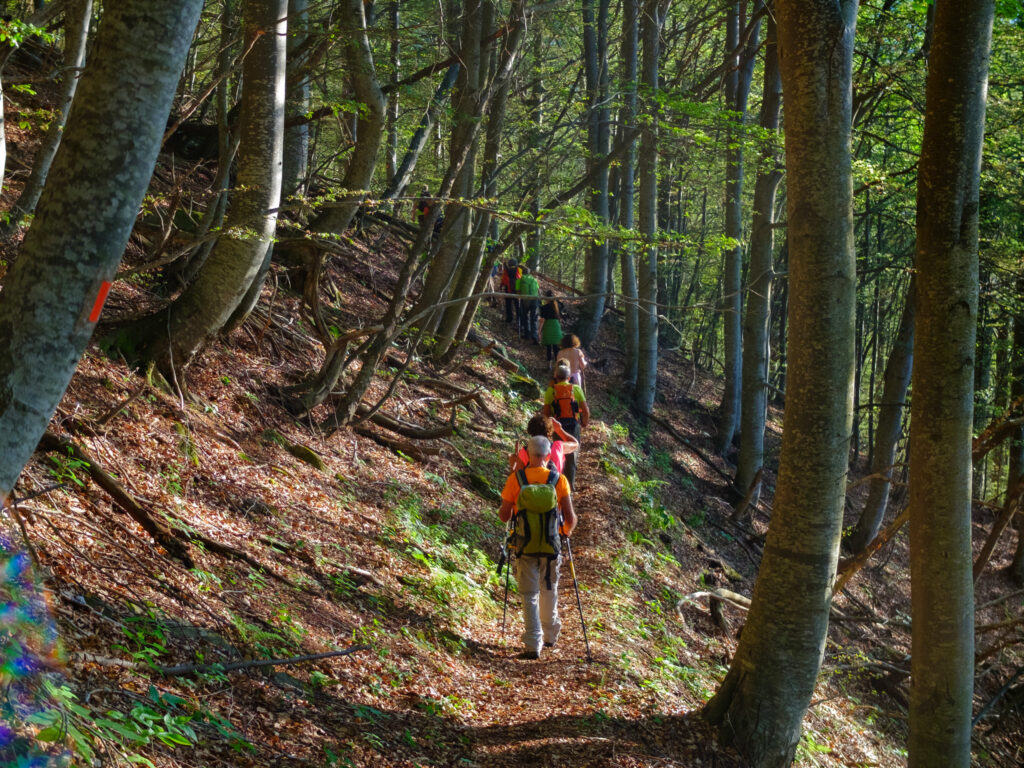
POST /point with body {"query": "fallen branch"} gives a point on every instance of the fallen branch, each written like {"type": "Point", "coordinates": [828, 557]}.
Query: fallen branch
{"type": "Point", "coordinates": [181, 670]}
{"type": "Point", "coordinates": [733, 598]}
{"type": "Point", "coordinates": [161, 532]}
{"type": "Point", "coordinates": [690, 446]}
{"type": "Point", "coordinates": [999, 694]}
{"type": "Point", "coordinates": [1012, 505]}
{"type": "Point", "coordinates": [849, 568]}
{"type": "Point", "coordinates": [418, 452]}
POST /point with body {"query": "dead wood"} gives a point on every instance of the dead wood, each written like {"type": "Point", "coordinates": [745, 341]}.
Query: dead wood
{"type": "Point", "coordinates": [405, 428]}
{"type": "Point", "coordinates": [181, 670]}
{"type": "Point", "coordinates": [691, 447]}
{"type": "Point", "coordinates": [160, 531]}
{"type": "Point", "coordinates": [740, 512]}
{"type": "Point", "coordinates": [717, 614]}
{"type": "Point", "coordinates": [724, 595]}
{"type": "Point", "coordinates": [418, 452]}
{"type": "Point", "coordinates": [848, 568]}
{"type": "Point", "coordinates": [1012, 505]}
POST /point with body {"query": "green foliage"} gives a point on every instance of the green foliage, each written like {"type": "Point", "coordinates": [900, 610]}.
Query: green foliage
{"type": "Point", "coordinates": [68, 470]}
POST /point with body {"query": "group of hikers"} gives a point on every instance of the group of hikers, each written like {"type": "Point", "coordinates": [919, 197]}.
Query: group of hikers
{"type": "Point", "coordinates": [536, 502]}
{"type": "Point", "coordinates": [538, 322]}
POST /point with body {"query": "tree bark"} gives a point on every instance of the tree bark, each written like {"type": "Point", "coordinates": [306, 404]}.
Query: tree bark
{"type": "Point", "coordinates": [54, 292]}
{"type": "Point", "coordinates": [759, 299]}
{"type": "Point", "coordinates": [173, 336]}
{"type": "Point", "coordinates": [890, 424]}
{"type": "Point", "coordinates": [627, 180]}
{"type": "Point", "coordinates": [295, 158]}
{"type": "Point", "coordinates": [1016, 461]}
{"type": "Point", "coordinates": [762, 701]}
{"type": "Point", "coordinates": [76, 33]}
{"type": "Point", "coordinates": [651, 20]}
{"type": "Point", "coordinates": [942, 594]}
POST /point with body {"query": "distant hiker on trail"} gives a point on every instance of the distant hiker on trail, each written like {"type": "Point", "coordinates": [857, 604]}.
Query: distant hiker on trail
{"type": "Point", "coordinates": [566, 402]}
{"type": "Point", "coordinates": [562, 443]}
{"type": "Point", "coordinates": [528, 307]}
{"type": "Point", "coordinates": [423, 205]}
{"type": "Point", "coordinates": [550, 325]}
{"type": "Point", "coordinates": [494, 282]}
{"type": "Point", "coordinates": [573, 355]}
{"type": "Point", "coordinates": [532, 499]}
{"type": "Point", "coordinates": [509, 278]}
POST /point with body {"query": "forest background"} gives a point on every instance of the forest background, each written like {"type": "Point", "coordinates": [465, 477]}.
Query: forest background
{"type": "Point", "coordinates": [263, 155]}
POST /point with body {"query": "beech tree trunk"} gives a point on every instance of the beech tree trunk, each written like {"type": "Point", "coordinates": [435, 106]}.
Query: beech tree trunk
{"type": "Point", "coordinates": [762, 700]}
{"type": "Point", "coordinates": [1016, 462]}
{"type": "Point", "coordinates": [54, 291]}
{"type": "Point", "coordinates": [759, 299]}
{"type": "Point", "coordinates": [76, 33]}
{"type": "Point", "coordinates": [651, 20]}
{"type": "Point", "coordinates": [890, 424]}
{"type": "Point", "coordinates": [173, 336]}
{"type": "Point", "coordinates": [942, 591]}
{"type": "Point", "coordinates": [627, 179]}
{"type": "Point", "coordinates": [595, 59]}
{"type": "Point", "coordinates": [295, 158]}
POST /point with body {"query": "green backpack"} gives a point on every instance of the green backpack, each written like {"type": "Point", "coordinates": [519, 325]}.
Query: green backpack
{"type": "Point", "coordinates": [536, 525]}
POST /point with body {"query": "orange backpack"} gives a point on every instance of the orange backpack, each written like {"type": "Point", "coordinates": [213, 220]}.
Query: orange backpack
{"type": "Point", "coordinates": [565, 405]}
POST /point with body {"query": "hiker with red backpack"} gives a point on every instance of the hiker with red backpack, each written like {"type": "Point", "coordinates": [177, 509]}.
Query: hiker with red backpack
{"type": "Point", "coordinates": [537, 501]}
{"type": "Point", "coordinates": [562, 443]}
{"type": "Point", "coordinates": [565, 402]}
{"type": "Point", "coordinates": [509, 280]}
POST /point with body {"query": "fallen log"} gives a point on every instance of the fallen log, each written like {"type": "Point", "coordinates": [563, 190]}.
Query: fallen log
{"type": "Point", "coordinates": [418, 452]}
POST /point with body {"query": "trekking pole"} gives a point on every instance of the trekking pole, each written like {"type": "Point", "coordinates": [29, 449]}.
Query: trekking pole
{"type": "Point", "coordinates": [576, 584]}
{"type": "Point", "coordinates": [507, 562]}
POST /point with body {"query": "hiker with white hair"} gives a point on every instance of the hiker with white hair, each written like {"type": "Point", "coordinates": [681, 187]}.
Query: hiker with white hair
{"type": "Point", "coordinates": [538, 502]}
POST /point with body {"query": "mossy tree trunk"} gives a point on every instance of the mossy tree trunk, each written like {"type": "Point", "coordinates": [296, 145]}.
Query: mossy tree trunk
{"type": "Point", "coordinates": [53, 293]}
{"type": "Point", "coordinates": [762, 700]}
{"type": "Point", "coordinates": [942, 591]}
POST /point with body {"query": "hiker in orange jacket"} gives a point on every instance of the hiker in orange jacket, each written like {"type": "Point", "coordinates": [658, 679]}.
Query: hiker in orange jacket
{"type": "Point", "coordinates": [538, 555]}
{"type": "Point", "coordinates": [566, 402]}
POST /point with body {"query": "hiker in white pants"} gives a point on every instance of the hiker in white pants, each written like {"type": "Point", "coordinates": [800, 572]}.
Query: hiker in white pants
{"type": "Point", "coordinates": [537, 495]}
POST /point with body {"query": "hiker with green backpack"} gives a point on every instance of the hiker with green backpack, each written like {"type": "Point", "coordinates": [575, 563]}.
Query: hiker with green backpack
{"type": "Point", "coordinates": [538, 504]}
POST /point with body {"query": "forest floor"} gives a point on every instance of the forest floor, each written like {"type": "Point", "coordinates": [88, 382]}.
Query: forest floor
{"type": "Point", "coordinates": [368, 544]}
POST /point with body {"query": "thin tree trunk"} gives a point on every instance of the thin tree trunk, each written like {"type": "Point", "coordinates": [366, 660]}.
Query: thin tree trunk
{"type": "Point", "coordinates": [395, 52]}
{"type": "Point", "coordinates": [54, 292]}
{"type": "Point", "coordinates": [296, 136]}
{"type": "Point", "coordinates": [762, 701]}
{"type": "Point", "coordinates": [627, 176]}
{"type": "Point", "coordinates": [1016, 442]}
{"type": "Point", "coordinates": [756, 342]}
{"type": "Point", "coordinates": [942, 593]}
{"type": "Point", "coordinates": [890, 423]}
{"type": "Point", "coordinates": [76, 33]}
{"type": "Point", "coordinates": [651, 20]}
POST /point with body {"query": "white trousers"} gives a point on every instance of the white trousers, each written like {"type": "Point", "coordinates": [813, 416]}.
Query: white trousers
{"type": "Point", "coordinates": [540, 603]}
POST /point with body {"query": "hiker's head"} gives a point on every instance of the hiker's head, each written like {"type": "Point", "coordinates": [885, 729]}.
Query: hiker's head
{"type": "Point", "coordinates": [538, 449]}
{"type": "Point", "coordinates": [570, 340]}
{"type": "Point", "coordinates": [526, 270]}
{"type": "Point", "coordinates": [562, 373]}
{"type": "Point", "coordinates": [550, 294]}
{"type": "Point", "coordinates": [512, 263]}
{"type": "Point", "coordinates": [541, 425]}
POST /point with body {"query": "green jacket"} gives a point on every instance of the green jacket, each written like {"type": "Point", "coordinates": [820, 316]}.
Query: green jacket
{"type": "Point", "coordinates": [527, 285]}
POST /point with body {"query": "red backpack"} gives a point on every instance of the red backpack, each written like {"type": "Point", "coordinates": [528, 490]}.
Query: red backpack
{"type": "Point", "coordinates": [565, 405]}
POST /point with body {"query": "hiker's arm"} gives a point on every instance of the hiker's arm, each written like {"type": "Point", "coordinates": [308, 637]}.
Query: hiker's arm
{"type": "Point", "coordinates": [568, 515]}
{"type": "Point", "coordinates": [584, 413]}
{"type": "Point", "coordinates": [546, 410]}
{"type": "Point", "coordinates": [505, 512]}
{"type": "Point", "coordinates": [569, 443]}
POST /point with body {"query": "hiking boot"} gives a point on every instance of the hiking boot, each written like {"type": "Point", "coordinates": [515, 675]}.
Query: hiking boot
{"type": "Point", "coordinates": [530, 655]}
{"type": "Point", "coordinates": [549, 645]}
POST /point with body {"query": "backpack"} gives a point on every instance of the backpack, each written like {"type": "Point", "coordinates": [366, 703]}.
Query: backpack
{"type": "Point", "coordinates": [536, 521]}
{"type": "Point", "coordinates": [565, 405]}
{"type": "Point", "coordinates": [512, 274]}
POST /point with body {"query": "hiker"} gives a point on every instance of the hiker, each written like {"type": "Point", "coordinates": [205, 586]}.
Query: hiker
{"type": "Point", "coordinates": [573, 355]}
{"type": "Point", "coordinates": [565, 402]}
{"type": "Point", "coordinates": [562, 443]}
{"type": "Point", "coordinates": [421, 209]}
{"type": "Point", "coordinates": [535, 496]}
{"type": "Point", "coordinates": [509, 277]}
{"type": "Point", "coordinates": [550, 325]}
{"type": "Point", "coordinates": [529, 289]}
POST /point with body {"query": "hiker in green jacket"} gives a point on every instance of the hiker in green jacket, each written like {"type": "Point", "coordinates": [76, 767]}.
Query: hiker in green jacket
{"type": "Point", "coordinates": [535, 496]}
{"type": "Point", "coordinates": [529, 305]}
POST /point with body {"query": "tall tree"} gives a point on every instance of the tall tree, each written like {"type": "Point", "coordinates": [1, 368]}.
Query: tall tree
{"type": "Point", "coordinates": [759, 298]}
{"type": "Point", "coordinates": [54, 292]}
{"type": "Point", "coordinates": [762, 700]}
{"type": "Point", "coordinates": [295, 157]}
{"type": "Point", "coordinates": [173, 336]}
{"type": "Point", "coordinates": [942, 593]}
{"type": "Point", "coordinates": [77, 18]}
{"type": "Point", "coordinates": [627, 180]}
{"type": "Point", "coordinates": [652, 18]}
{"type": "Point", "coordinates": [739, 68]}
